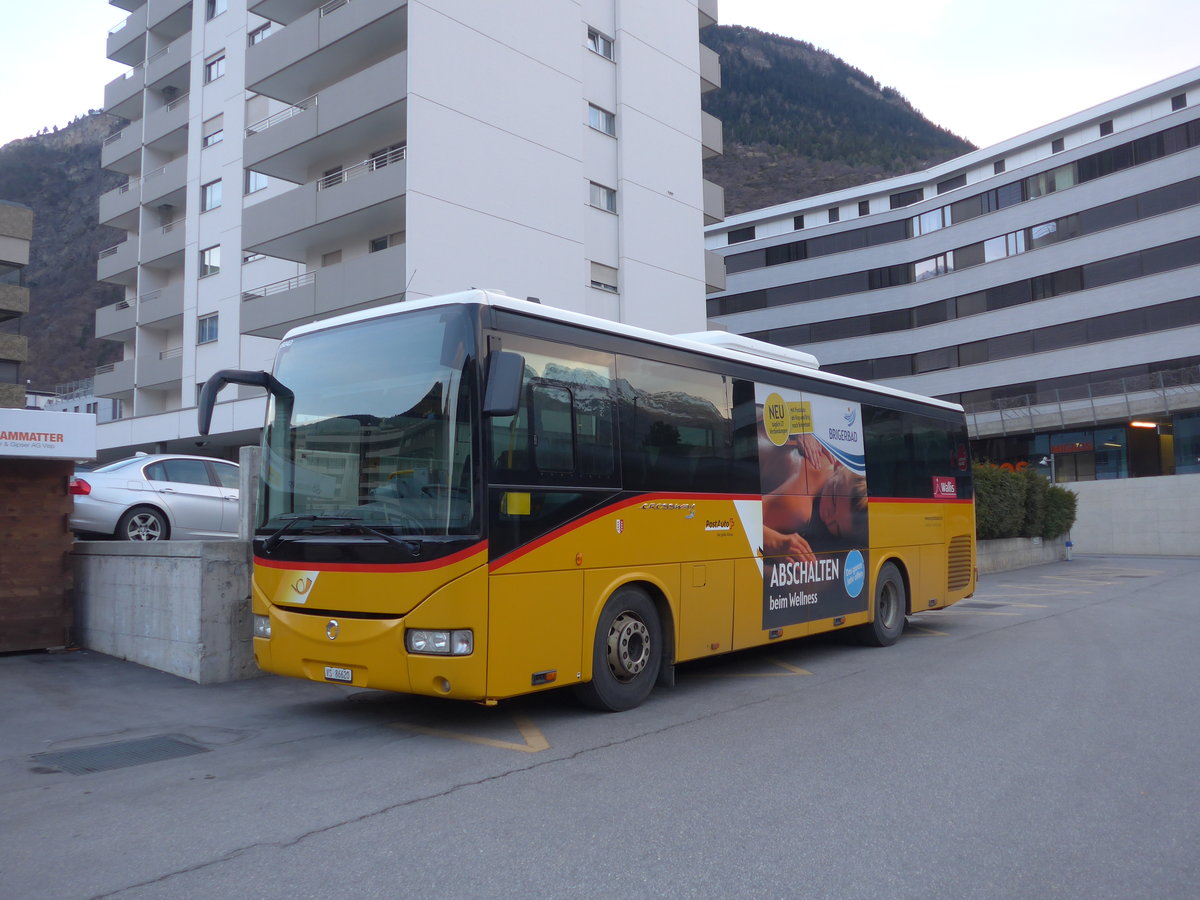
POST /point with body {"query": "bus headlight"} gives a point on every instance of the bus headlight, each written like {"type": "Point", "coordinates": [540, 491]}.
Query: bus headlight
{"type": "Point", "coordinates": [262, 627]}
{"type": "Point", "coordinates": [440, 643]}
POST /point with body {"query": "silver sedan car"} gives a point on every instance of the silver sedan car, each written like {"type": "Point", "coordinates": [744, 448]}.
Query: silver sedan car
{"type": "Point", "coordinates": [156, 497]}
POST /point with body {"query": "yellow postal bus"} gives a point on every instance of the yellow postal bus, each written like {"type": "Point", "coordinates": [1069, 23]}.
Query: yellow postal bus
{"type": "Point", "coordinates": [475, 496]}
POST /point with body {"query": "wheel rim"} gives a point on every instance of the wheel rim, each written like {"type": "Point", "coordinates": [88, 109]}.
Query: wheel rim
{"type": "Point", "coordinates": [144, 527]}
{"type": "Point", "coordinates": [889, 604]}
{"type": "Point", "coordinates": [628, 646]}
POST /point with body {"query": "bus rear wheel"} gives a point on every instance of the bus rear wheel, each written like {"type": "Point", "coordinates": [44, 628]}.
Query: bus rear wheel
{"type": "Point", "coordinates": [890, 605]}
{"type": "Point", "coordinates": [626, 652]}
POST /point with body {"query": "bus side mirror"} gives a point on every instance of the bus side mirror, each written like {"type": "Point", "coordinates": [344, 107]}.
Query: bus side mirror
{"type": "Point", "coordinates": [218, 380]}
{"type": "Point", "coordinates": [502, 394]}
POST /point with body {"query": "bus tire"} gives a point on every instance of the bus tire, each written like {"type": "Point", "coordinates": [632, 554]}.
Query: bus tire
{"type": "Point", "coordinates": [890, 606]}
{"type": "Point", "coordinates": [626, 652]}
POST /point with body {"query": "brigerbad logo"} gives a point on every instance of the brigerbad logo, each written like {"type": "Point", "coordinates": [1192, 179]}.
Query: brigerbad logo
{"type": "Point", "coordinates": [854, 575]}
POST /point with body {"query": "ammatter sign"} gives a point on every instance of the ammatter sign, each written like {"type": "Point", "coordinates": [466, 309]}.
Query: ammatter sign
{"type": "Point", "coordinates": [37, 434]}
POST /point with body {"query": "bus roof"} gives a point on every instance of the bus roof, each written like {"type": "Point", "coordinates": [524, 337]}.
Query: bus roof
{"type": "Point", "coordinates": [722, 345]}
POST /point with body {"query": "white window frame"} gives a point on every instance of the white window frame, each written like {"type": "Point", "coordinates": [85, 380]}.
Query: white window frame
{"type": "Point", "coordinates": [602, 197]}
{"type": "Point", "coordinates": [210, 261]}
{"type": "Point", "coordinates": [600, 43]}
{"type": "Point", "coordinates": [214, 67]}
{"type": "Point", "coordinates": [600, 119]}
{"type": "Point", "coordinates": [207, 329]}
{"type": "Point", "coordinates": [208, 194]}
{"type": "Point", "coordinates": [251, 185]}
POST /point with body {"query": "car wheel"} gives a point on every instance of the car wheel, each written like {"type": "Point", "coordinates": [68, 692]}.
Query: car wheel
{"type": "Point", "coordinates": [142, 523]}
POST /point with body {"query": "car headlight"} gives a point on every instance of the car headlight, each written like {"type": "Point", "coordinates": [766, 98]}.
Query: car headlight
{"type": "Point", "coordinates": [435, 642]}
{"type": "Point", "coordinates": [262, 627]}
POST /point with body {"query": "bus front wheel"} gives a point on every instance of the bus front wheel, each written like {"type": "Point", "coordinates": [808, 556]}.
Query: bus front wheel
{"type": "Point", "coordinates": [890, 605]}
{"type": "Point", "coordinates": [626, 652]}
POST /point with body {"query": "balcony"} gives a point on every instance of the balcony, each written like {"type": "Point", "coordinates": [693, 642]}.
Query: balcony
{"type": "Point", "coordinates": [157, 370]}
{"type": "Point", "coordinates": [285, 11]}
{"type": "Point", "coordinates": [123, 95]}
{"type": "Point", "coordinates": [158, 307]}
{"type": "Point", "coordinates": [708, 12]}
{"type": "Point", "coordinates": [714, 203]}
{"type": "Point", "coordinates": [119, 207]}
{"type": "Point", "coordinates": [127, 5]}
{"type": "Point", "coordinates": [710, 69]}
{"type": "Point", "coordinates": [166, 184]}
{"type": "Point", "coordinates": [127, 40]}
{"type": "Point", "coordinates": [714, 272]}
{"type": "Point", "coordinates": [360, 283]}
{"type": "Point", "coordinates": [307, 137]}
{"type": "Point", "coordinates": [163, 247]}
{"type": "Point", "coordinates": [365, 198]}
{"type": "Point", "coordinates": [118, 264]}
{"type": "Point", "coordinates": [169, 18]}
{"type": "Point", "coordinates": [14, 301]}
{"type": "Point", "coordinates": [168, 67]}
{"type": "Point", "coordinates": [114, 378]}
{"type": "Point", "coordinates": [712, 142]}
{"type": "Point", "coordinates": [302, 59]}
{"type": "Point", "coordinates": [121, 150]}
{"type": "Point", "coordinates": [117, 321]}
{"type": "Point", "coordinates": [166, 127]}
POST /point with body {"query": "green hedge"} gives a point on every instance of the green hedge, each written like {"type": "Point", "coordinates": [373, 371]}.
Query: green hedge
{"type": "Point", "coordinates": [1020, 504]}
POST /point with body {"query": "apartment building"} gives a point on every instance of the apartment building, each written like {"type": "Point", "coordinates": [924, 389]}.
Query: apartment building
{"type": "Point", "coordinates": [16, 230]}
{"type": "Point", "coordinates": [1048, 283]}
{"type": "Point", "coordinates": [290, 160]}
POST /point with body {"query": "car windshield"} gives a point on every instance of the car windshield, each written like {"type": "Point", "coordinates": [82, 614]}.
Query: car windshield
{"type": "Point", "coordinates": [379, 430]}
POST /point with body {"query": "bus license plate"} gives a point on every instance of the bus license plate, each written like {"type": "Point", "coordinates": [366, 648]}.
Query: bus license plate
{"type": "Point", "coordinates": [336, 673]}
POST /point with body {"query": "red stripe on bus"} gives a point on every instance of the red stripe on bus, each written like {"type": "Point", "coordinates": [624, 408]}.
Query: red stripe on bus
{"type": "Point", "coordinates": [920, 500]}
{"type": "Point", "coordinates": [606, 510]}
{"type": "Point", "coordinates": [373, 567]}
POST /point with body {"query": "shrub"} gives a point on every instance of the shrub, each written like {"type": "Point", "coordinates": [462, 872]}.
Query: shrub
{"type": "Point", "coordinates": [1061, 507]}
{"type": "Point", "coordinates": [1036, 486]}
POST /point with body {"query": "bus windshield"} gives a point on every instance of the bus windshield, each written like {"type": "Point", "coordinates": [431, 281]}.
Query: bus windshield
{"type": "Point", "coordinates": [379, 431]}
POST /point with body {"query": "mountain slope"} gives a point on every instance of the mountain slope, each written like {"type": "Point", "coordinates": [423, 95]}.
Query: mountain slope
{"type": "Point", "coordinates": [798, 121]}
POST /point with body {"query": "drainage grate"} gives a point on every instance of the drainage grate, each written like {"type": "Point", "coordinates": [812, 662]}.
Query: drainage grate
{"type": "Point", "coordinates": [118, 755]}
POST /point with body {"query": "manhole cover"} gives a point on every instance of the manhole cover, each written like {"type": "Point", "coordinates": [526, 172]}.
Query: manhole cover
{"type": "Point", "coordinates": [118, 755]}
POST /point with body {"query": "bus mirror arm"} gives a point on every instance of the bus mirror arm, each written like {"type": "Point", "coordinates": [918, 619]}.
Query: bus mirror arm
{"type": "Point", "coordinates": [502, 394]}
{"type": "Point", "coordinates": [218, 380]}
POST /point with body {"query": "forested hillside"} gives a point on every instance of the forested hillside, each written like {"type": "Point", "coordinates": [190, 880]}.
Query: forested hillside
{"type": "Point", "coordinates": [799, 121]}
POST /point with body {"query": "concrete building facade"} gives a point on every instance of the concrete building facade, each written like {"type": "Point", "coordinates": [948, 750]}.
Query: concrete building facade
{"type": "Point", "coordinates": [16, 231]}
{"type": "Point", "coordinates": [292, 159]}
{"type": "Point", "coordinates": [1048, 283]}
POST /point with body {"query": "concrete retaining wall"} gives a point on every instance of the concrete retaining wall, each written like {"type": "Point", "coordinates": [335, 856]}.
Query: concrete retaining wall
{"type": "Point", "coordinates": [178, 606]}
{"type": "Point", "coordinates": [1138, 516]}
{"type": "Point", "coordinates": [1017, 553]}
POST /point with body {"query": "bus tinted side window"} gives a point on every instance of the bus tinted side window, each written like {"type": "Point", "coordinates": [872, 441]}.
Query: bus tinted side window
{"type": "Point", "coordinates": [906, 451]}
{"type": "Point", "coordinates": [675, 427]}
{"type": "Point", "coordinates": [563, 432]}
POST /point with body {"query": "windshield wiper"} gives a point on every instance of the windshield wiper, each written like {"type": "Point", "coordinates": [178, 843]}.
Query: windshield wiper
{"type": "Point", "coordinates": [275, 537]}
{"type": "Point", "coordinates": [413, 547]}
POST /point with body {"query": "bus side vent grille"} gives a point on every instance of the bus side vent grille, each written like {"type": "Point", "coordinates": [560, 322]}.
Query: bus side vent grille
{"type": "Point", "coordinates": [959, 568]}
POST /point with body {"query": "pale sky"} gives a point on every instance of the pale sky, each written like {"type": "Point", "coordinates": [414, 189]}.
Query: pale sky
{"type": "Point", "coordinates": [986, 71]}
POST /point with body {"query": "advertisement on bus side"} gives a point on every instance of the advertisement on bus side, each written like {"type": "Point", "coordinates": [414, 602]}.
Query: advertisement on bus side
{"type": "Point", "coordinates": [814, 490]}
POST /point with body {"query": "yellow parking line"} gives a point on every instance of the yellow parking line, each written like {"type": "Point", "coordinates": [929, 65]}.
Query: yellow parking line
{"type": "Point", "coordinates": [788, 668]}
{"type": "Point", "coordinates": [533, 741]}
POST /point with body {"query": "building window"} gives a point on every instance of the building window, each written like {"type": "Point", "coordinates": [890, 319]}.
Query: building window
{"type": "Point", "coordinates": [1178, 102]}
{"type": "Point", "coordinates": [255, 181]}
{"type": "Point", "coordinates": [602, 120]}
{"type": "Point", "coordinates": [214, 67]}
{"type": "Point", "coordinates": [259, 34]}
{"type": "Point", "coordinates": [604, 278]}
{"type": "Point", "coordinates": [952, 184]}
{"type": "Point", "coordinates": [213, 131]}
{"type": "Point", "coordinates": [206, 329]}
{"type": "Point", "coordinates": [834, 214]}
{"type": "Point", "coordinates": [210, 195]}
{"type": "Point", "coordinates": [382, 243]}
{"type": "Point", "coordinates": [1106, 128]}
{"type": "Point", "coordinates": [248, 258]}
{"type": "Point", "coordinates": [998, 167]}
{"type": "Point", "coordinates": [600, 44]}
{"type": "Point", "coordinates": [864, 207]}
{"type": "Point", "coordinates": [738, 235]}
{"type": "Point", "coordinates": [797, 223]}
{"type": "Point", "coordinates": [907, 198]}
{"type": "Point", "coordinates": [210, 261]}
{"type": "Point", "coordinates": [1057, 145]}
{"type": "Point", "coordinates": [386, 156]}
{"type": "Point", "coordinates": [213, 8]}
{"type": "Point", "coordinates": [602, 197]}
